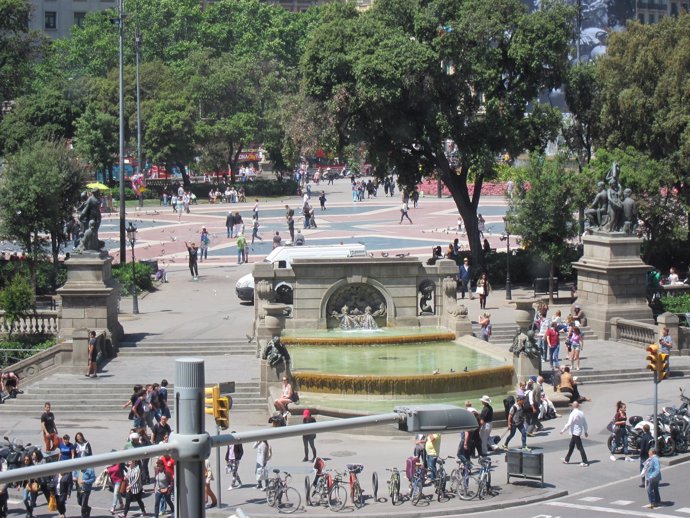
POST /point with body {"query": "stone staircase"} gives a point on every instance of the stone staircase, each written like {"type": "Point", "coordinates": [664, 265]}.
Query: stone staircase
{"type": "Point", "coordinates": [202, 347]}
{"type": "Point", "coordinates": [503, 334]}
{"type": "Point", "coordinates": [77, 395]}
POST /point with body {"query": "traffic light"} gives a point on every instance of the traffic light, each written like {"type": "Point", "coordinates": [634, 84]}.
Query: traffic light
{"type": "Point", "coordinates": [212, 395]}
{"type": "Point", "coordinates": [653, 357]}
{"type": "Point", "coordinates": [223, 418]}
{"type": "Point", "coordinates": [662, 366]}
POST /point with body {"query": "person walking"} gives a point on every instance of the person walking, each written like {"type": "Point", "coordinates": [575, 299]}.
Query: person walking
{"type": "Point", "coordinates": [204, 241]}
{"type": "Point", "coordinates": [465, 278]}
{"type": "Point", "coordinates": [576, 426]}
{"type": "Point", "coordinates": [63, 487]}
{"type": "Point", "coordinates": [208, 491]}
{"type": "Point", "coordinates": [483, 290]}
{"type": "Point", "coordinates": [255, 231]}
{"type": "Point", "coordinates": [233, 456]}
{"type": "Point", "coordinates": [308, 439]}
{"type": "Point", "coordinates": [485, 325]}
{"type": "Point", "coordinates": [193, 255]}
{"type": "Point", "coordinates": [134, 489]}
{"type": "Point", "coordinates": [486, 417]}
{"type": "Point", "coordinates": [241, 245]}
{"type": "Point", "coordinates": [516, 421]}
{"type": "Point", "coordinates": [92, 364]}
{"type": "Point", "coordinates": [230, 224]}
{"type": "Point", "coordinates": [162, 489]}
{"type": "Point", "coordinates": [553, 341]}
{"type": "Point", "coordinates": [652, 477]}
{"type": "Point", "coordinates": [322, 199]}
{"type": "Point", "coordinates": [291, 227]}
{"type": "Point", "coordinates": [49, 428]}
{"type": "Point", "coordinates": [263, 455]}
{"type": "Point", "coordinates": [403, 213]}
{"type": "Point", "coordinates": [87, 477]}
{"type": "Point", "coordinates": [577, 343]}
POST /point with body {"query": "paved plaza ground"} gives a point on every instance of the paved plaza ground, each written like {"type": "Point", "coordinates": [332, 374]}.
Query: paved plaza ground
{"type": "Point", "coordinates": [184, 309]}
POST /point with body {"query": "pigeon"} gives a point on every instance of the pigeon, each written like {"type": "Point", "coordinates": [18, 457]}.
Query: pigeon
{"type": "Point", "coordinates": [249, 338]}
{"type": "Point", "coordinates": [384, 254]}
{"type": "Point", "coordinates": [452, 370]}
{"type": "Point", "coordinates": [435, 371]}
{"type": "Point", "coordinates": [465, 370]}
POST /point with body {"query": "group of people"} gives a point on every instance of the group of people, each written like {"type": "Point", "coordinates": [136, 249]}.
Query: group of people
{"type": "Point", "coordinates": [548, 330]}
{"type": "Point", "coordinates": [229, 195]}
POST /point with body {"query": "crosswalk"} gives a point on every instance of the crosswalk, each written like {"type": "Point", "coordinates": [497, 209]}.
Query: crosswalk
{"type": "Point", "coordinates": [598, 504]}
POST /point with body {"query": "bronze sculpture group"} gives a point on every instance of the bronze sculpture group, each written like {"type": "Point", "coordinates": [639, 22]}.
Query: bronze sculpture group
{"type": "Point", "coordinates": [613, 209]}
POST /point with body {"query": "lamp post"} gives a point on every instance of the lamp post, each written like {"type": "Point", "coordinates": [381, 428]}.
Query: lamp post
{"type": "Point", "coordinates": [132, 238]}
{"type": "Point", "coordinates": [137, 43]}
{"type": "Point", "coordinates": [506, 237]}
{"type": "Point", "coordinates": [121, 92]}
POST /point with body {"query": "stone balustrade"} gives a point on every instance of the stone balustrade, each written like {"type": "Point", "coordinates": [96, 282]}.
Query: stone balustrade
{"type": "Point", "coordinates": [41, 322]}
{"type": "Point", "coordinates": [643, 334]}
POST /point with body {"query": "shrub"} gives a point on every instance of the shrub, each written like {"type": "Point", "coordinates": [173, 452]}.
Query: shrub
{"type": "Point", "coordinates": [123, 274]}
{"type": "Point", "coordinates": [16, 300]}
{"type": "Point", "coordinates": [676, 303]}
{"type": "Point", "coordinates": [29, 344]}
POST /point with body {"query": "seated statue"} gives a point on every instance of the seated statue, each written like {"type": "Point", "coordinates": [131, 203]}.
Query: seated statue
{"type": "Point", "coordinates": [89, 240]}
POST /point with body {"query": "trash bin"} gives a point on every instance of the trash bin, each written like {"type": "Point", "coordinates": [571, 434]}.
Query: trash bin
{"type": "Point", "coordinates": [527, 465]}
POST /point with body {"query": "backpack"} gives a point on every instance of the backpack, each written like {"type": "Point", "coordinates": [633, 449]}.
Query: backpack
{"type": "Point", "coordinates": [508, 404]}
{"type": "Point", "coordinates": [295, 396]}
{"type": "Point", "coordinates": [410, 467]}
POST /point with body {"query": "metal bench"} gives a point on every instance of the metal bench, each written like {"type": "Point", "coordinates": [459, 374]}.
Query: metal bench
{"type": "Point", "coordinates": [541, 286]}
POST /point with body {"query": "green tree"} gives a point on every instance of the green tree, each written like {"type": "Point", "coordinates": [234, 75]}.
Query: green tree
{"type": "Point", "coordinates": [16, 300]}
{"type": "Point", "coordinates": [543, 213]}
{"type": "Point", "coordinates": [96, 139]}
{"type": "Point", "coordinates": [39, 187]}
{"type": "Point", "coordinates": [406, 75]}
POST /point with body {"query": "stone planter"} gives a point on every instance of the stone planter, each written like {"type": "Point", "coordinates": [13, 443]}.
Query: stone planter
{"type": "Point", "coordinates": [524, 314]}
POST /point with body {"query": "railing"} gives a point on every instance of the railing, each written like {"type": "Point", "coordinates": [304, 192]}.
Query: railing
{"type": "Point", "coordinates": [42, 322]}
{"type": "Point", "coordinates": [634, 332]}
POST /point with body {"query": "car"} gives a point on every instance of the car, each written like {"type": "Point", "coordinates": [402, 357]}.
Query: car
{"type": "Point", "coordinates": [282, 257]}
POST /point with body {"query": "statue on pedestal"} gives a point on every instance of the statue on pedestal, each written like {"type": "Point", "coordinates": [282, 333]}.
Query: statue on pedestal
{"type": "Point", "coordinates": [613, 209]}
{"type": "Point", "coordinates": [597, 213]}
{"type": "Point", "coordinates": [90, 222]}
{"type": "Point", "coordinates": [524, 343]}
{"type": "Point", "coordinates": [630, 214]}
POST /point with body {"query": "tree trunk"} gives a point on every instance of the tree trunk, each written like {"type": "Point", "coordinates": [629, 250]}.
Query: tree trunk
{"type": "Point", "coordinates": [467, 207]}
{"type": "Point", "coordinates": [552, 271]}
{"type": "Point", "coordinates": [55, 249]}
{"type": "Point", "coordinates": [185, 176]}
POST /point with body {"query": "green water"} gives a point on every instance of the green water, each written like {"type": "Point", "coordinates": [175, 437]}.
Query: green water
{"type": "Point", "coordinates": [389, 360]}
{"type": "Point", "coordinates": [382, 331]}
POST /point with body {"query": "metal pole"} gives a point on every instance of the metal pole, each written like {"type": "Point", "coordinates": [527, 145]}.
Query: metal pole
{"type": "Point", "coordinates": [135, 299]}
{"type": "Point", "coordinates": [218, 488]}
{"type": "Point", "coordinates": [189, 417]}
{"type": "Point", "coordinates": [121, 83]}
{"type": "Point", "coordinates": [137, 41]}
{"type": "Point", "coordinates": [509, 295]}
{"type": "Point", "coordinates": [656, 403]}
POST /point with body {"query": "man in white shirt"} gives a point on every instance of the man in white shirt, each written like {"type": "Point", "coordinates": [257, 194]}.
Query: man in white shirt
{"type": "Point", "coordinates": [577, 426]}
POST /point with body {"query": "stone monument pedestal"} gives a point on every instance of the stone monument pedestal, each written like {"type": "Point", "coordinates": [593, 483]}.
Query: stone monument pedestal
{"type": "Point", "coordinates": [525, 367]}
{"type": "Point", "coordinates": [612, 281]}
{"type": "Point", "coordinates": [89, 302]}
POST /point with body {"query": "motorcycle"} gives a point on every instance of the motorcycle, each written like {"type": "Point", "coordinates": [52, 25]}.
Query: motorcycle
{"type": "Point", "coordinates": [634, 429]}
{"type": "Point", "coordinates": [12, 453]}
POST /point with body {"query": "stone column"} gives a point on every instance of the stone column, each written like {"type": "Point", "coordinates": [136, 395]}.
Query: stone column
{"type": "Point", "coordinates": [612, 281]}
{"type": "Point", "coordinates": [89, 302]}
{"type": "Point", "coordinates": [672, 322]}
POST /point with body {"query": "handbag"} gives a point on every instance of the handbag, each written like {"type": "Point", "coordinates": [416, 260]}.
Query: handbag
{"type": "Point", "coordinates": [261, 473]}
{"type": "Point", "coordinates": [611, 427]}
{"type": "Point", "coordinates": [52, 503]}
{"type": "Point", "coordinates": [480, 290]}
{"type": "Point", "coordinates": [645, 466]}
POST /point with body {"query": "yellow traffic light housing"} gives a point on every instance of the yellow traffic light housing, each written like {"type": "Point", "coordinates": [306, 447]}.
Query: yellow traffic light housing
{"type": "Point", "coordinates": [211, 396]}
{"type": "Point", "coordinates": [653, 357]}
{"type": "Point", "coordinates": [662, 366]}
{"type": "Point", "coordinates": [223, 418]}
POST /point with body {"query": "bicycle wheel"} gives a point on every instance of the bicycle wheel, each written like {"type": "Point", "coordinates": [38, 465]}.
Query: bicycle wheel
{"type": "Point", "coordinates": [289, 500]}
{"type": "Point", "coordinates": [395, 490]}
{"type": "Point", "coordinates": [454, 481]}
{"type": "Point", "coordinates": [272, 495]}
{"type": "Point", "coordinates": [307, 490]}
{"type": "Point", "coordinates": [416, 492]}
{"type": "Point", "coordinates": [337, 497]}
{"type": "Point", "coordinates": [357, 496]}
{"type": "Point", "coordinates": [375, 485]}
{"type": "Point", "coordinates": [482, 489]}
{"type": "Point", "coordinates": [441, 494]}
{"type": "Point", "coordinates": [468, 487]}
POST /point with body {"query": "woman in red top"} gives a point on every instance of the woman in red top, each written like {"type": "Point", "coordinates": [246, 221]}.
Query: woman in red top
{"type": "Point", "coordinates": [621, 431]}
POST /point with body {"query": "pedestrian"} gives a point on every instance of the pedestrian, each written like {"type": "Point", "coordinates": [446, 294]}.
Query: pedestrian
{"type": "Point", "coordinates": [576, 426]}
{"type": "Point", "coordinates": [486, 418]}
{"type": "Point", "coordinates": [239, 224]}
{"type": "Point", "coordinates": [299, 238]}
{"type": "Point", "coordinates": [263, 455]}
{"type": "Point", "coordinates": [63, 487]}
{"type": "Point", "coordinates": [403, 213]}
{"type": "Point", "coordinates": [204, 241]}
{"type": "Point", "coordinates": [553, 341]}
{"type": "Point", "coordinates": [116, 472]}
{"type": "Point", "coordinates": [291, 227]}
{"type": "Point", "coordinates": [49, 428]}
{"type": "Point", "coordinates": [92, 363]}
{"type": "Point", "coordinates": [577, 343]}
{"type": "Point", "coordinates": [465, 278]}
{"type": "Point", "coordinates": [516, 421]}
{"type": "Point", "coordinates": [433, 449]}
{"type": "Point", "coordinates": [241, 245]}
{"type": "Point", "coordinates": [162, 488]}
{"type": "Point", "coordinates": [620, 431]}
{"type": "Point", "coordinates": [306, 212]}
{"type": "Point", "coordinates": [255, 231]}
{"type": "Point", "coordinates": [160, 430]}
{"type": "Point", "coordinates": [666, 344]}
{"type": "Point", "coordinates": [645, 442]}
{"type": "Point", "coordinates": [255, 210]}
{"type": "Point", "coordinates": [233, 456]}
{"type": "Point", "coordinates": [67, 449]}
{"type": "Point", "coordinates": [535, 400]}
{"type": "Point", "coordinates": [322, 199]}
{"type": "Point", "coordinates": [193, 254]}
{"type": "Point", "coordinates": [134, 489]}
{"type": "Point", "coordinates": [230, 224]}
{"type": "Point", "coordinates": [276, 240]}
{"type": "Point", "coordinates": [82, 447]}
{"type": "Point", "coordinates": [308, 439]}
{"type": "Point", "coordinates": [483, 290]}
{"type": "Point", "coordinates": [87, 476]}
{"type": "Point", "coordinates": [208, 491]}
{"type": "Point", "coordinates": [27, 487]}
{"type": "Point", "coordinates": [652, 477]}
{"type": "Point", "coordinates": [485, 324]}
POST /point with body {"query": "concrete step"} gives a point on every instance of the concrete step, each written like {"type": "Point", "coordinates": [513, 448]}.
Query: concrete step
{"type": "Point", "coordinates": [202, 347]}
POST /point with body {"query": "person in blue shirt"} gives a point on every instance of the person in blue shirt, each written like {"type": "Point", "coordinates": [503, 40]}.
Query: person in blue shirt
{"type": "Point", "coordinates": [87, 477]}
{"type": "Point", "coordinates": [652, 477]}
{"type": "Point", "coordinates": [67, 449]}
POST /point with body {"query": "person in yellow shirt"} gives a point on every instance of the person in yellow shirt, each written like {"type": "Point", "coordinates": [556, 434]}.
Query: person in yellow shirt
{"type": "Point", "coordinates": [433, 448]}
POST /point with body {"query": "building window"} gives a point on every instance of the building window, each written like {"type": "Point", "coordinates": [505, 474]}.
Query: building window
{"type": "Point", "coordinates": [79, 18]}
{"type": "Point", "coordinates": [50, 19]}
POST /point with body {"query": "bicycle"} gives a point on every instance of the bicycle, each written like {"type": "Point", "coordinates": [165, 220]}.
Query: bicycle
{"type": "Point", "coordinates": [462, 482]}
{"type": "Point", "coordinates": [337, 495]}
{"type": "Point", "coordinates": [278, 494]}
{"type": "Point", "coordinates": [394, 485]}
{"type": "Point", "coordinates": [356, 493]}
{"type": "Point", "coordinates": [318, 493]}
{"type": "Point", "coordinates": [441, 480]}
{"type": "Point", "coordinates": [417, 483]}
{"type": "Point", "coordinates": [484, 488]}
